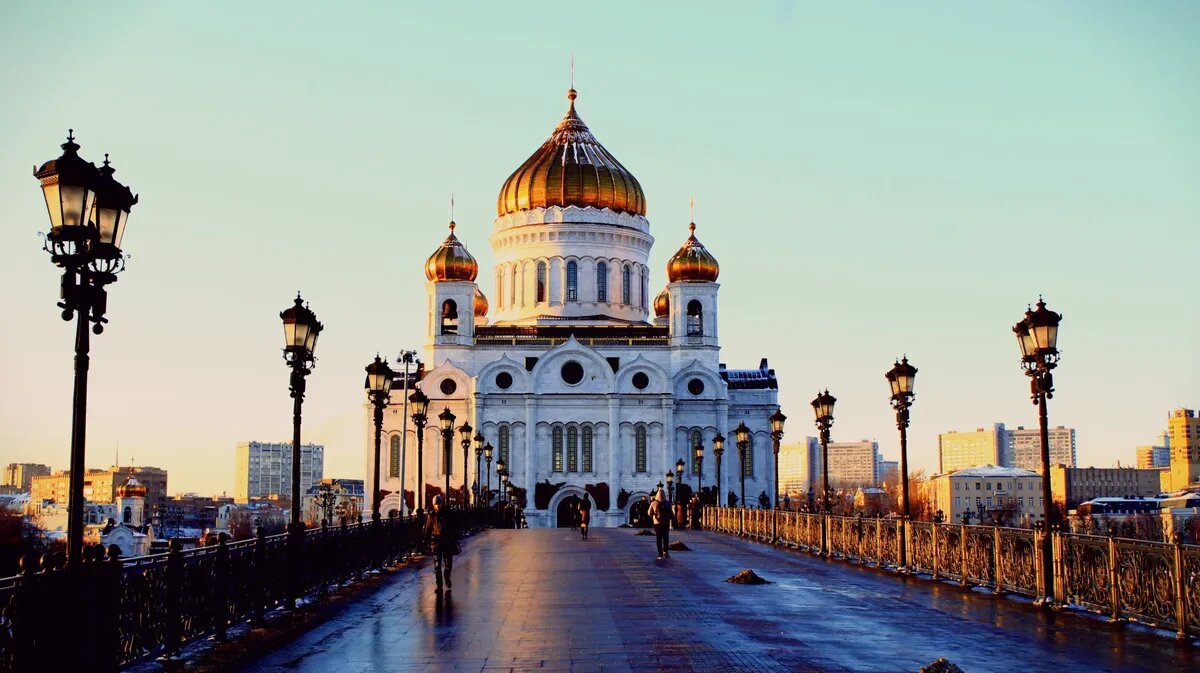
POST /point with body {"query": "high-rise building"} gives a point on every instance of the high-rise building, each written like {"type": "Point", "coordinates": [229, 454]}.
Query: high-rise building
{"type": "Point", "coordinates": [1184, 429]}
{"type": "Point", "coordinates": [263, 469]}
{"type": "Point", "coordinates": [960, 450]}
{"type": "Point", "coordinates": [1022, 448]}
{"type": "Point", "coordinates": [20, 475]}
{"type": "Point", "coordinates": [799, 466]}
{"type": "Point", "coordinates": [853, 464]}
{"type": "Point", "coordinates": [1155, 456]}
{"type": "Point", "coordinates": [887, 469]}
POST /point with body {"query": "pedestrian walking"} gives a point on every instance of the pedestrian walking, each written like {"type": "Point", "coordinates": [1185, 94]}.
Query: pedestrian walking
{"type": "Point", "coordinates": [442, 538]}
{"type": "Point", "coordinates": [660, 518]}
{"type": "Point", "coordinates": [585, 515]}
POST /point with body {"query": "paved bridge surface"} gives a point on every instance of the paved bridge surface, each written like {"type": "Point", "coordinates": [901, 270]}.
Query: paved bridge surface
{"type": "Point", "coordinates": [543, 600]}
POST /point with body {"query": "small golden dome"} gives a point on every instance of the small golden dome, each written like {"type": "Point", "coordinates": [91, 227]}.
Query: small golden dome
{"type": "Point", "coordinates": [451, 261]}
{"type": "Point", "coordinates": [692, 262]}
{"type": "Point", "coordinates": [662, 304]}
{"type": "Point", "coordinates": [481, 303]}
{"type": "Point", "coordinates": [571, 169]}
{"type": "Point", "coordinates": [132, 488]}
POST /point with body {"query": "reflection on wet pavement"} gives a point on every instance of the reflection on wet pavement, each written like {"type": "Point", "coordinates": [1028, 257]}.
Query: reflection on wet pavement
{"type": "Point", "coordinates": [544, 600]}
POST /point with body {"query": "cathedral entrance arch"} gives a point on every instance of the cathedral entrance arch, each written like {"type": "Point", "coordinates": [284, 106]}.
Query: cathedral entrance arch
{"type": "Point", "coordinates": [637, 509]}
{"type": "Point", "coordinates": [565, 504]}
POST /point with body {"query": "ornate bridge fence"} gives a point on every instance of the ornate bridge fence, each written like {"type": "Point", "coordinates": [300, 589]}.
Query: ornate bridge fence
{"type": "Point", "coordinates": [110, 612]}
{"type": "Point", "coordinates": [1155, 583]}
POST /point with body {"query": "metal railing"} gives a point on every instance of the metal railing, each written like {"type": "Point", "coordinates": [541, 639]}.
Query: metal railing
{"type": "Point", "coordinates": [110, 612]}
{"type": "Point", "coordinates": [1155, 583]}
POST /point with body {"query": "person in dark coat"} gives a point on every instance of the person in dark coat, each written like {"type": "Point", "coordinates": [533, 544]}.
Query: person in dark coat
{"type": "Point", "coordinates": [660, 518]}
{"type": "Point", "coordinates": [585, 515]}
{"type": "Point", "coordinates": [442, 539]}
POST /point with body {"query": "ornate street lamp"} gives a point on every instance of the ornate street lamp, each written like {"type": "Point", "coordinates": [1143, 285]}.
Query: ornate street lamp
{"type": "Point", "coordinates": [407, 358]}
{"type": "Point", "coordinates": [487, 457]}
{"type": "Point", "coordinates": [478, 466]}
{"type": "Point", "coordinates": [670, 486]}
{"type": "Point", "coordinates": [901, 378]}
{"type": "Point", "coordinates": [501, 470]}
{"type": "Point", "coordinates": [679, 465]}
{"type": "Point", "coordinates": [1037, 337]}
{"type": "Point", "coordinates": [823, 409]}
{"type": "Point", "coordinates": [300, 332]}
{"type": "Point", "coordinates": [508, 489]}
{"type": "Point", "coordinates": [420, 416]}
{"type": "Point", "coordinates": [776, 420]}
{"type": "Point", "coordinates": [718, 451]}
{"type": "Point", "coordinates": [379, 390]}
{"type": "Point", "coordinates": [88, 211]}
{"type": "Point", "coordinates": [698, 452]}
{"type": "Point", "coordinates": [446, 419]}
{"type": "Point", "coordinates": [742, 434]}
{"type": "Point", "coordinates": [465, 431]}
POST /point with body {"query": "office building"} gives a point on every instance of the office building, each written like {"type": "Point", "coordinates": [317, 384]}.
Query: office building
{"type": "Point", "coordinates": [799, 466]}
{"type": "Point", "coordinates": [1157, 455]}
{"type": "Point", "coordinates": [1184, 429]}
{"type": "Point", "coordinates": [20, 475]}
{"type": "Point", "coordinates": [263, 469]}
{"type": "Point", "coordinates": [853, 464]}
{"type": "Point", "coordinates": [100, 486]}
{"type": "Point", "coordinates": [1022, 448]}
{"type": "Point", "coordinates": [960, 450]}
{"type": "Point", "coordinates": [1074, 485]}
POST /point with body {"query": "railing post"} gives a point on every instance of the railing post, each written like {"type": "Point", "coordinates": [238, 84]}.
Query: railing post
{"type": "Point", "coordinates": [220, 591]}
{"type": "Point", "coordinates": [999, 577]}
{"type": "Point", "coordinates": [933, 543]}
{"type": "Point", "coordinates": [904, 543]}
{"type": "Point", "coordinates": [261, 592]}
{"type": "Point", "coordinates": [1039, 560]}
{"type": "Point", "coordinates": [962, 553]}
{"type": "Point", "coordinates": [173, 603]}
{"type": "Point", "coordinates": [1114, 595]}
{"type": "Point", "coordinates": [825, 523]}
{"type": "Point", "coordinates": [878, 541]}
{"type": "Point", "coordinates": [1059, 569]}
{"type": "Point", "coordinates": [1181, 586]}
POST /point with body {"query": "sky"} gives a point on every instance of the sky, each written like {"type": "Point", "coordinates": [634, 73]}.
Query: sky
{"type": "Point", "coordinates": [874, 178]}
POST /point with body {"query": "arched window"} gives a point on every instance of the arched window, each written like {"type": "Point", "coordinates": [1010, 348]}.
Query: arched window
{"type": "Point", "coordinates": [587, 448]}
{"type": "Point", "coordinates": [626, 279]}
{"type": "Point", "coordinates": [695, 318]}
{"type": "Point", "coordinates": [556, 449]}
{"type": "Point", "coordinates": [572, 281]}
{"type": "Point", "coordinates": [602, 282]}
{"type": "Point", "coordinates": [449, 317]}
{"type": "Point", "coordinates": [695, 437]}
{"type": "Point", "coordinates": [645, 285]}
{"type": "Point", "coordinates": [512, 287]}
{"type": "Point", "coordinates": [541, 282]}
{"type": "Point", "coordinates": [748, 463]}
{"type": "Point", "coordinates": [639, 449]}
{"type": "Point", "coordinates": [572, 449]}
{"type": "Point", "coordinates": [394, 458]}
{"type": "Point", "coordinates": [128, 516]}
{"type": "Point", "coordinates": [499, 287]}
{"type": "Point", "coordinates": [503, 441]}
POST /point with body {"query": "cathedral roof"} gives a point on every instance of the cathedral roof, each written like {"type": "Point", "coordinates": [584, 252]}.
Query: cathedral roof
{"type": "Point", "coordinates": [571, 169]}
{"type": "Point", "coordinates": [132, 488]}
{"type": "Point", "coordinates": [762, 378]}
{"type": "Point", "coordinates": [451, 261]}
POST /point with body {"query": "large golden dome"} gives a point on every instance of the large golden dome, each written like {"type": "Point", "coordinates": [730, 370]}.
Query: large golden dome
{"type": "Point", "coordinates": [481, 303]}
{"type": "Point", "coordinates": [451, 261]}
{"type": "Point", "coordinates": [692, 262]}
{"type": "Point", "coordinates": [571, 169]}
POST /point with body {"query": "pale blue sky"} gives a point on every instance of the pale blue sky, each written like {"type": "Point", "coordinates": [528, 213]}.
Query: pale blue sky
{"type": "Point", "coordinates": [874, 178]}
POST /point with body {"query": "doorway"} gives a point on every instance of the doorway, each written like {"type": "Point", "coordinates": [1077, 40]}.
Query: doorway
{"type": "Point", "coordinates": [568, 510]}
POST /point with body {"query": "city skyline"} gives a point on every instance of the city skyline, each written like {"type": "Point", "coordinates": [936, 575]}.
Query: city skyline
{"type": "Point", "coordinates": [894, 200]}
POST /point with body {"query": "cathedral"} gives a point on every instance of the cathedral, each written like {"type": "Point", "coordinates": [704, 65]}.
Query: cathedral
{"type": "Point", "coordinates": [586, 383]}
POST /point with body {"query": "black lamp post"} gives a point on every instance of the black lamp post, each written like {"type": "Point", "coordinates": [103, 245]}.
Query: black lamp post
{"type": "Point", "coordinates": [446, 419]}
{"type": "Point", "coordinates": [487, 457]}
{"type": "Point", "coordinates": [742, 433]}
{"type": "Point", "coordinates": [501, 470]}
{"type": "Point", "coordinates": [420, 405]}
{"type": "Point", "coordinates": [88, 212]}
{"type": "Point", "coordinates": [901, 378]}
{"type": "Point", "coordinates": [300, 331]}
{"type": "Point", "coordinates": [670, 486]}
{"type": "Point", "coordinates": [698, 452]}
{"type": "Point", "coordinates": [379, 390]}
{"type": "Point", "coordinates": [1037, 336]}
{"type": "Point", "coordinates": [823, 408]}
{"type": "Point", "coordinates": [718, 451]}
{"type": "Point", "coordinates": [777, 420]}
{"type": "Point", "coordinates": [507, 487]}
{"type": "Point", "coordinates": [465, 431]}
{"type": "Point", "coordinates": [478, 467]}
{"type": "Point", "coordinates": [326, 499]}
{"type": "Point", "coordinates": [679, 464]}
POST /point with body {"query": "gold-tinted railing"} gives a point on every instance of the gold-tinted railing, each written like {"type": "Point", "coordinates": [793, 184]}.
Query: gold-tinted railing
{"type": "Point", "coordinates": [1154, 583]}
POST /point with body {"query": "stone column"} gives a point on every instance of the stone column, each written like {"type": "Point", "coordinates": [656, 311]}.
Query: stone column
{"type": "Point", "coordinates": [614, 452]}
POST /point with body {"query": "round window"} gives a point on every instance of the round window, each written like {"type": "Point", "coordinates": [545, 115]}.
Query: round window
{"type": "Point", "coordinates": [572, 373]}
{"type": "Point", "coordinates": [695, 386]}
{"type": "Point", "coordinates": [448, 386]}
{"type": "Point", "coordinates": [640, 380]}
{"type": "Point", "coordinates": [503, 380]}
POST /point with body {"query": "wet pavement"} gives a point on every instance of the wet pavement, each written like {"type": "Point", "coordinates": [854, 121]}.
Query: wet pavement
{"type": "Point", "coordinates": [543, 600]}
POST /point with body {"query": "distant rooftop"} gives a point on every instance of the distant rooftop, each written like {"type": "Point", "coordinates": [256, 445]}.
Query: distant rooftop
{"type": "Point", "coordinates": [994, 471]}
